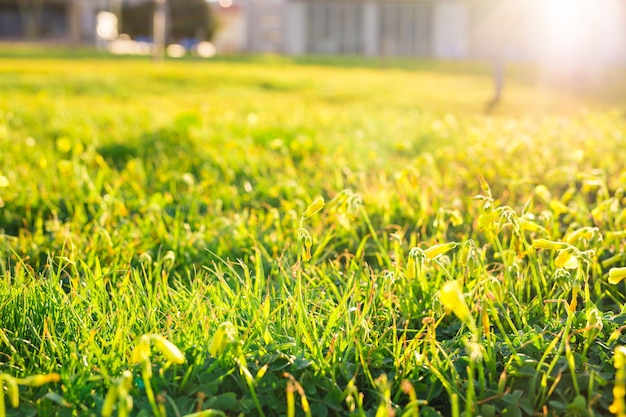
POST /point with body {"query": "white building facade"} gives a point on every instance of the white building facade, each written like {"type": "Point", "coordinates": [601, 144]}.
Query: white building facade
{"type": "Point", "coordinates": [464, 29]}
{"type": "Point", "coordinates": [564, 33]}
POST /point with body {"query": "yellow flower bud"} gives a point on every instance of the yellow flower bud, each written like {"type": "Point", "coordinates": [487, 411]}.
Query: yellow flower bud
{"type": "Point", "coordinates": [619, 390]}
{"type": "Point", "coordinates": [565, 259]}
{"type": "Point", "coordinates": [543, 193]}
{"type": "Point", "coordinates": [226, 333]}
{"type": "Point", "coordinates": [558, 207]}
{"type": "Point", "coordinates": [306, 243]}
{"type": "Point", "coordinates": [582, 233]}
{"type": "Point", "coordinates": [529, 225]}
{"type": "Point", "coordinates": [594, 323]}
{"type": "Point", "coordinates": [617, 275]}
{"type": "Point", "coordinates": [218, 344]}
{"type": "Point", "coordinates": [466, 252]}
{"type": "Point", "coordinates": [549, 244]}
{"type": "Point", "coordinates": [410, 268]}
{"type": "Point", "coordinates": [109, 402]}
{"type": "Point", "coordinates": [141, 353]}
{"type": "Point", "coordinates": [314, 207]}
{"type": "Point", "coordinates": [127, 403]}
{"type": "Point", "coordinates": [620, 356]}
{"type": "Point", "coordinates": [438, 250]}
{"type": "Point", "coordinates": [126, 382]}
{"type": "Point", "coordinates": [452, 299]}
{"type": "Point", "coordinates": [39, 380]}
{"type": "Point", "coordinates": [168, 349]}
{"type": "Point", "coordinates": [12, 391]}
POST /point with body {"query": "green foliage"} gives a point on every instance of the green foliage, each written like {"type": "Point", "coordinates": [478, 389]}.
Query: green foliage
{"type": "Point", "coordinates": [136, 19]}
{"type": "Point", "coordinates": [187, 19]}
{"type": "Point", "coordinates": [264, 238]}
{"type": "Point", "coordinates": [191, 19]}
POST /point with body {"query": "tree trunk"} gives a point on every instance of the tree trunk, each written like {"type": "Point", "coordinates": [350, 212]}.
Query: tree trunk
{"type": "Point", "coordinates": [158, 31]}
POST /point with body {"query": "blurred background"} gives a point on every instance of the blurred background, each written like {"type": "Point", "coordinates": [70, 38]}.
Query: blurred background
{"type": "Point", "coordinates": [572, 38]}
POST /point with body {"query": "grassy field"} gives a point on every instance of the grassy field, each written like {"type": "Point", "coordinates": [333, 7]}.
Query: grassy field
{"type": "Point", "coordinates": [276, 237]}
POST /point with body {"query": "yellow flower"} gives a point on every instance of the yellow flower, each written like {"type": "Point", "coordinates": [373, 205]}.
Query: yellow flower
{"type": "Point", "coordinates": [558, 207]}
{"type": "Point", "coordinates": [13, 391]}
{"type": "Point", "coordinates": [438, 250]}
{"type": "Point", "coordinates": [119, 391]}
{"type": "Point", "coordinates": [168, 349]}
{"type": "Point", "coordinates": [306, 242]}
{"type": "Point", "coordinates": [39, 380]}
{"type": "Point", "coordinates": [314, 207]}
{"type": "Point", "coordinates": [141, 353]}
{"type": "Point", "coordinates": [410, 268]}
{"type": "Point", "coordinates": [620, 356]}
{"type": "Point", "coordinates": [543, 193]}
{"type": "Point", "coordinates": [466, 252]}
{"type": "Point", "coordinates": [529, 225]}
{"type": "Point", "coordinates": [619, 390]}
{"type": "Point", "coordinates": [452, 299]}
{"type": "Point", "coordinates": [64, 144]}
{"type": "Point", "coordinates": [616, 275]}
{"type": "Point", "coordinates": [586, 233]}
{"type": "Point", "coordinates": [549, 244]}
{"type": "Point", "coordinates": [565, 259]}
{"type": "Point", "coordinates": [109, 402]}
{"type": "Point", "coordinates": [226, 334]}
{"type": "Point", "coordinates": [486, 220]}
{"type": "Point", "coordinates": [65, 167]}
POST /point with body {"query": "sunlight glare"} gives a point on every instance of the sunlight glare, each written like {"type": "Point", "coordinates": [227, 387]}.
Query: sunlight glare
{"type": "Point", "coordinates": [106, 26]}
{"type": "Point", "coordinates": [578, 34]}
{"type": "Point", "coordinates": [566, 27]}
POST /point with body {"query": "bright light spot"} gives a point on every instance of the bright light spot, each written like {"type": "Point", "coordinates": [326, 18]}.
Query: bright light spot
{"type": "Point", "coordinates": [581, 34]}
{"type": "Point", "coordinates": [566, 26]}
{"type": "Point", "coordinates": [225, 3]}
{"type": "Point", "coordinates": [4, 182]}
{"type": "Point", "coordinates": [252, 118]}
{"type": "Point", "coordinates": [205, 49]}
{"type": "Point", "coordinates": [124, 45]}
{"type": "Point", "coordinates": [106, 26]}
{"type": "Point", "coordinates": [175, 50]}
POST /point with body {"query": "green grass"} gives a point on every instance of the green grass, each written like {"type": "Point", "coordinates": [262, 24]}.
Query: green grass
{"type": "Point", "coordinates": [172, 200]}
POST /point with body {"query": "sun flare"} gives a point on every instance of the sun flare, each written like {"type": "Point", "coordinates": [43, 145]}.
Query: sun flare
{"type": "Point", "coordinates": [578, 33]}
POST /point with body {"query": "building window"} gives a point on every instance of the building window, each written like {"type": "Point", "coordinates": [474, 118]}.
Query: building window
{"type": "Point", "coordinates": [11, 25]}
{"type": "Point", "coordinates": [54, 21]}
{"type": "Point", "coordinates": [405, 28]}
{"type": "Point", "coordinates": [45, 21]}
{"type": "Point", "coordinates": [334, 28]}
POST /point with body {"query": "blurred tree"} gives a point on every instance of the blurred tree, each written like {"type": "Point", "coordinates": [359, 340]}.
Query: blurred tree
{"type": "Point", "coordinates": [137, 19]}
{"type": "Point", "coordinates": [186, 19]}
{"type": "Point", "coordinates": [191, 19]}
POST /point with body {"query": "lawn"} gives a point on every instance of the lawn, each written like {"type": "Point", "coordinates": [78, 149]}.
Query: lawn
{"type": "Point", "coordinates": [277, 237]}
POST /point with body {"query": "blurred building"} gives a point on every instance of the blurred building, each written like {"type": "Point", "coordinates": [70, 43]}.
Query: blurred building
{"type": "Point", "coordinates": [564, 32]}
{"type": "Point", "coordinates": [524, 30]}
{"type": "Point", "coordinates": [231, 34]}
{"type": "Point", "coordinates": [56, 21]}
{"type": "Point", "coordinates": [64, 21]}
